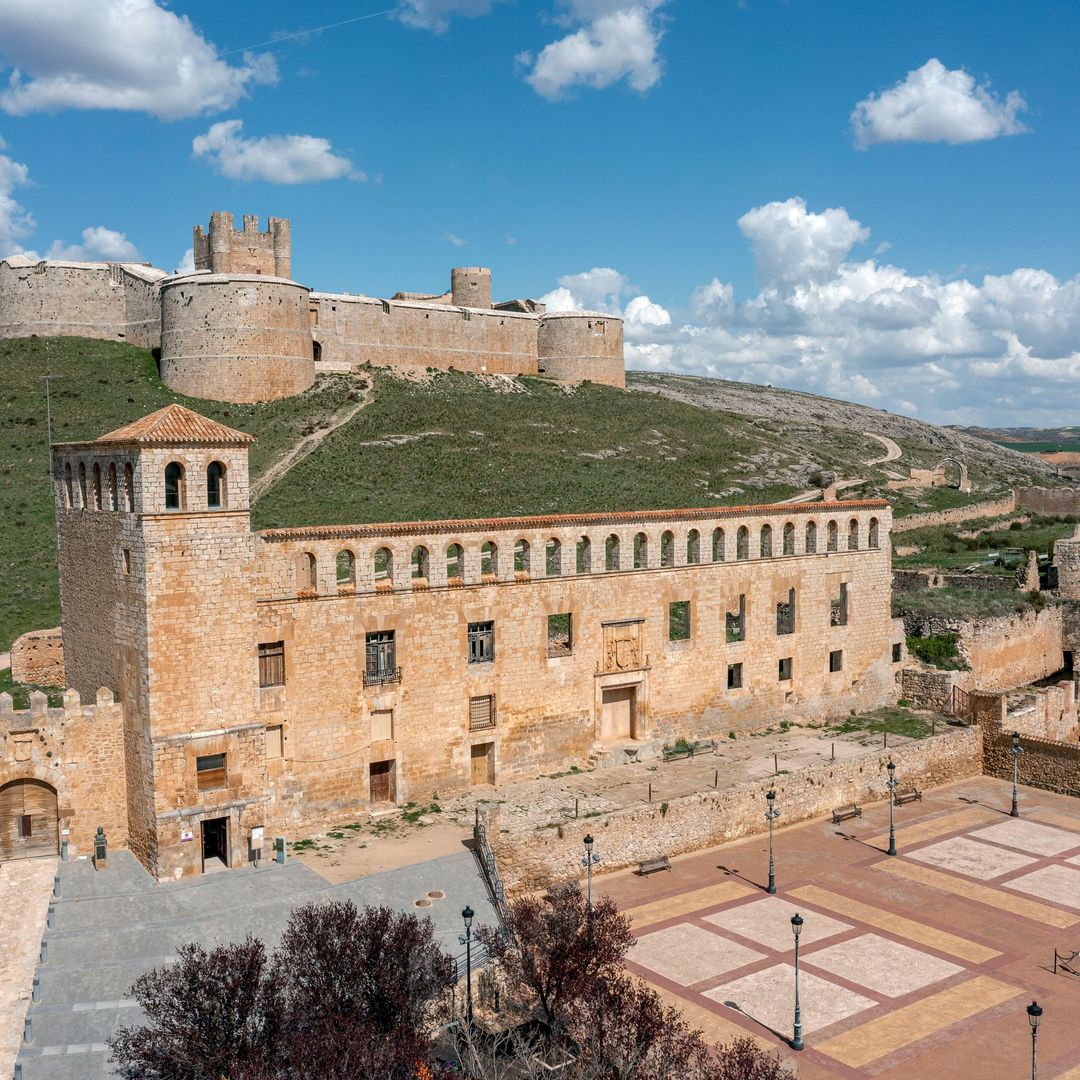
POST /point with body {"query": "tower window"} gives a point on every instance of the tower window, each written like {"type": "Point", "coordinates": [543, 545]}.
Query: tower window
{"type": "Point", "coordinates": [174, 486]}
{"type": "Point", "coordinates": [215, 485]}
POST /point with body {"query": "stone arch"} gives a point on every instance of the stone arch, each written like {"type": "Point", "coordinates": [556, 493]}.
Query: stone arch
{"type": "Point", "coordinates": [789, 538]}
{"type": "Point", "coordinates": [641, 551]}
{"type": "Point", "coordinates": [95, 486]}
{"type": "Point", "coordinates": [719, 544]}
{"type": "Point", "coordinates": [129, 488]}
{"type": "Point", "coordinates": [307, 573]}
{"type": "Point", "coordinates": [693, 547]}
{"type": "Point", "coordinates": [489, 560]}
{"type": "Point", "coordinates": [611, 552]}
{"type": "Point", "coordinates": [553, 557]}
{"type": "Point", "coordinates": [455, 564]}
{"type": "Point", "coordinates": [69, 486]}
{"type": "Point", "coordinates": [811, 538]}
{"type": "Point", "coordinates": [832, 536]}
{"type": "Point", "coordinates": [174, 486]}
{"type": "Point", "coordinates": [216, 495]}
{"type": "Point", "coordinates": [742, 543]}
{"type": "Point", "coordinates": [383, 567]}
{"type": "Point", "coordinates": [346, 569]}
{"type": "Point", "coordinates": [667, 548]}
{"type": "Point", "coordinates": [114, 487]}
{"type": "Point", "coordinates": [939, 476]}
{"type": "Point", "coordinates": [522, 557]}
{"type": "Point", "coordinates": [583, 562]}
{"type": "Point", "coordinates": [853, 535]}
{"type": "Point", "coordinates": [420, 563]}
{"type": "Point", "coordinates": [766, 541]}
{"type": "Point", "coordinates": [82, 485]}
{"type": "Point", "coordinates": [873, 534]}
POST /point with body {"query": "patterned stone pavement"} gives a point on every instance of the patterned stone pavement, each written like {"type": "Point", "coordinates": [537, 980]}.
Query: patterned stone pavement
{"type": "Point", "coordinates": [918, 965]}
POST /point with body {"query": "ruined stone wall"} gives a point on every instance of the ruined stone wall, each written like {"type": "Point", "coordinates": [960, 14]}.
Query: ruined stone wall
{"type": "Point", "coordinates": [577, 345]}
{"type": "Point", "coordinates": [992, 508]}
{"type": "Point", "coordinates": [536, 858]}
{"type": "Point", "coordinates": [235, 338]}
{"type": "Point", "coordinates": [416, 336]}
{"type": "Point", "coordinates": [927, 688]}
{"type": "Point", "coordinates": [549, 707]}
{"type": "Point", "coordinates": [1013, 649]}
{"type": "Point", "coordinates": [76, 750]}
{"type": "Point", "coordinates": [1049, 501]}
{"type": "Point", "coordinates": [37, 658]}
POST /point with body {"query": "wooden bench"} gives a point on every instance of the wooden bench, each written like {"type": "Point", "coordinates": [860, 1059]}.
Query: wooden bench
{"type": "Point", "coordinates": [906, 795]}
{"type": "Point", "coordinates": [650, 866]}
{"type": "Point", "coordinates": [673, 753]}
{"type": "Point", "coordinates": [842, 813]}
{"type": "Point", "coordinates": [1066, 961]}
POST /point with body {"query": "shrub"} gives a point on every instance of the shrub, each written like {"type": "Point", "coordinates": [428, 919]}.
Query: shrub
{"type": "Point", "coordinates": [1036, 599]}
{"type": "Point", "coordinates": [938, 649]}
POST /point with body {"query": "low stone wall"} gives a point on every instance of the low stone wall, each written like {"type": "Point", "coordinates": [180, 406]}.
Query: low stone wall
{"type": "Point", "coordinates": [920, 579]}
{"type": "Point", "coordinates": [992, 508]}
{"type": "Point", "coordinates": [537, 859]}
{"type": "Point", "coordinates": [927, 688]}
{"type": "Point", "coordinates": [1049, 501]}
{"type": "Point", "coordinates": [1043, 763]}
{"type": "Point", "coordinates": [37, 658]}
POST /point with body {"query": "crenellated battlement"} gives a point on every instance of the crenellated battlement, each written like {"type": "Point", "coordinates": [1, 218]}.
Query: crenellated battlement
{"type": "Point", "coordinates": [224, 249]}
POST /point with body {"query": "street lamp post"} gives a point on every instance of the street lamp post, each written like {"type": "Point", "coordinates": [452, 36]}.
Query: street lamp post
{"type": "Point", "coordinates": [796, 926]}
{"type": "Point", "coordinates": [588, 861]}
{"type": "Point", "coordinates": [1017, 750]}
{"type": "Point", "coordinates": [1034, 1016]}
{"type": "Point", "coordinates": [771, 814]}
{"type": "Point", "coordinates": [466, 940]}
{"type": "Point", "coordinates": [891, 784]}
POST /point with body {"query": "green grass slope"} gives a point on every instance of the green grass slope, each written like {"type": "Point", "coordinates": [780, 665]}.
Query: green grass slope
{"type": "Point", "coordinates": [456, 446]}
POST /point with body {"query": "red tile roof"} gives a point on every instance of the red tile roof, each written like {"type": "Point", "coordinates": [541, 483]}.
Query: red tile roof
{"type": "Point", "coordinates": [176, 426]}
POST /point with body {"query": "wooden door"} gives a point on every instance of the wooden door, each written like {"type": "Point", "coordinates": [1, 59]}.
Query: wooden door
{"type": "Point", "coordinates": [28, 820]}
{"type": "Point", "coordinates": [382, 781]}
{"type": "Point", "coordinates": [483, 763]}
{"type": "Point", "coordinates": [617, 714]}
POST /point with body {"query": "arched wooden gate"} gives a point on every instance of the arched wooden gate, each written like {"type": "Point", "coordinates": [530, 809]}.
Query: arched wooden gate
{"type": "Point", "coordinates": [29, 824]}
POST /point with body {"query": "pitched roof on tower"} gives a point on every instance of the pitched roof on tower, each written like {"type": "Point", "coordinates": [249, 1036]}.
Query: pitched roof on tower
{"type": "Point", "coordinates": [175, 425]}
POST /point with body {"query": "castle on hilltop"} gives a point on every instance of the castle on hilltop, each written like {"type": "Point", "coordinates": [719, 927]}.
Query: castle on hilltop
{"type": "Point", "coordinates": [239, 328]}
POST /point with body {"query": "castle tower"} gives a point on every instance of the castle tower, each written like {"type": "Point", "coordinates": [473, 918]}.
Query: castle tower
{"type": "Point", "coordinates": [156, 561]}
{"type": "Point", "coordinates": [576, 345]}
{"type": "Point", "coordinates": [228, 250]}
{"type": "Point", "coordinates": [470, 286]}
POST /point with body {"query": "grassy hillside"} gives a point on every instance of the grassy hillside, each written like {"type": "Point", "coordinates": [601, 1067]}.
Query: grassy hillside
{"type": "Point", "coordinates": [457, 445]}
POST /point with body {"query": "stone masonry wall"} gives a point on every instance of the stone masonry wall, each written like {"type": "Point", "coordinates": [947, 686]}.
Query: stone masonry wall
{"type": "Point", "coordinates": [37, 658]}
{"type": "Point", "coordinates": [535, 859]}
{"type": "Point", "coordinates": [578, 345]}
{"type": "Point", "coordinates": [1043, 763]}
{"type": "Point", "coordinates": [993, 508]}
{"type": "Point", "coordinates": [76, 750]}
{"type": "Point", "coordinates": [1049, 501]}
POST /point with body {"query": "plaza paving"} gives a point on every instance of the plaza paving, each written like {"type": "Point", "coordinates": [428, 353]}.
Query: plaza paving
{"type": "Point", "coordinates": [921, 965]}
{"type": "Point", "coordinates": [113, 925]}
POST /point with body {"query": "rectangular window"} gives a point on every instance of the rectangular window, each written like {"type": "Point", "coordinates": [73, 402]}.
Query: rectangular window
{"type": "Point", "coordinates": [127, 561]}
{"type": "Point", "coordinates": [560, 634]}
{"type": "Point", "coordinates": [897, 652]}
{"type": "Point", "coordinates": [734, 676]}
{"type": "Point", "coordinates": [275, 742]}
{"type": "Point", "coordinates": [836, 660]}
{"type": "Point", "coordinates": [272, 663]}
{"type": "Point", "coordinates": [210, 772]}
{"type": "Point", "coordinates": [784, 674]}
{"type": "Point", "coordinates": [26, 826]}
{"type": "Point", "coordinates": [382, 725]}
{"type": "Point", "coordinates": [736, 622]}
{"type": "Point", "coordinates": [380, 658]}
{"type": "Point", "coordinates": [838, 607]}
{"type": "Point", "coordinates": [679, 621]}
{"type": "Point", "coordinates": [482, 712]}
{"type": "Point", "coordinates": [785, 615]}
{"type": "Point", "coordinates": [481, 642]}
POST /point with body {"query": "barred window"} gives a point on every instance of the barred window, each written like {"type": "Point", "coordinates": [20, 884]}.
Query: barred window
{"type": "Point", "coordinates": [481, 642]}
{"type": "Point", "coordinates": [272, 663]}
{"type": "Point", "coordinates": [381, 653]}
{"type": "Point", "coordinates": [482, 712]}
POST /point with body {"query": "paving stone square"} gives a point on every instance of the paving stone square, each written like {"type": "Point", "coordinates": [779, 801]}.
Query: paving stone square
{"type": "Point", "coordinates": [768, 996]}
{"type": "Point", "coordinates": [882, 965]}
{"type": "Point", "coordinates": [768, 922]}
{"type": "Point", "coordinates": [688, 954]}
{"type": "Point", "coordinates": [1029, 836]}
{"type": "Point", "coordinates": [1059, 884]}
{"type": "Point", "coordinates": [964, 856]}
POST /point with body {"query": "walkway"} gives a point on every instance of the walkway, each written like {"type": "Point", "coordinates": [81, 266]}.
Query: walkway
{"type": "Point", "coordinates": [114, 925]}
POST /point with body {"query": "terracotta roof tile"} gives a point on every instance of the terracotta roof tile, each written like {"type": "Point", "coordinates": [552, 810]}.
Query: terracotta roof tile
{"type": "Point", "coordinates": [176, 426]}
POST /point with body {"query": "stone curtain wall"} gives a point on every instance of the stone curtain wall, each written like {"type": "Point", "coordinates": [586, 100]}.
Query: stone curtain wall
{"type": "Point", "coordinates": [536, 859]}
{"type": "Point", "coordinates": [994, 508]}
{"type": "Point", "coordinates": [37, 658]}
{"type": "Point", "coordinates": [78, 751]}
{"type": "Point", "coordinates": [1049, 501]}
{"type": "Point", "coordinates": [578, 345]}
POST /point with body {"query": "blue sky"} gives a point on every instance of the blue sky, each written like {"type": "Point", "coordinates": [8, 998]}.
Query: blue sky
{"type": "Point", "coordinates": [704, 167]}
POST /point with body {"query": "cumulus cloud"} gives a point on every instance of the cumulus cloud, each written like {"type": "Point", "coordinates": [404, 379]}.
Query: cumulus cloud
{"type": "Point", "coordinates": [1004, 349]}
{"type": "Point", "coordinates": [16, 222]}
{"type": "Point", "coordinates": [117, 54]}
{"type": "Point", "coordinates": [98, 244]}
{"type": "Point", "coordinates": [187, 263]}
{"type": "Point", "coordinates": [615, 40]}
{"type": "Point", "coordinates": [436, 14]}
{"type": "Point", "coordinates": [278, 159]}
{"type": "Point", "coordinates": [934, 104]}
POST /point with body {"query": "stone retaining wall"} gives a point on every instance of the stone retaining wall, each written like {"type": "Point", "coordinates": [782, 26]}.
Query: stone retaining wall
{"type": "Point", "coordinates": [1055, 765]}
{"type": "Point", "coordinates": [540, 858]}
{"type": "Point", "coordinates": [993, 508]}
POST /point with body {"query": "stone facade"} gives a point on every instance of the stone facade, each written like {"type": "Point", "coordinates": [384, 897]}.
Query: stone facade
{"type": "Point", "coordinates": [239, 329]}
{"type": "Point", "coordinates": [37, 658]}
{"type": "Point", "coordinates": [337, 666]}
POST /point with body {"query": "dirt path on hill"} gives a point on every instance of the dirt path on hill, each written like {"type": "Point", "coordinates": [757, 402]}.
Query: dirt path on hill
{"type": "Point", "coordinates": [892, 451]}
{"type": "Point", "coordinates": [307, 445]}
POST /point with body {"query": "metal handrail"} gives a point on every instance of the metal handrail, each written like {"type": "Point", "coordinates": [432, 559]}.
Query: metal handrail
{"type": "Point", "coordinates": [381, 678]}
{"type": "Point", "coordinates": [491, 872]}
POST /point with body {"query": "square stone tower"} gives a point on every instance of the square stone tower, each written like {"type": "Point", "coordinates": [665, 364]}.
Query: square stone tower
{"type": "Point", "coordinates": [228, 250]}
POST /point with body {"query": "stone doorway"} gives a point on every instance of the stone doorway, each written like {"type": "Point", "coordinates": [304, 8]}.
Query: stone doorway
{"type": "Point", "coordinates": [483, 763]}
{"type": "Point", "coordinates": [215, 844]}
{"type": "Point", "coordinates": [29, 824]}
{"type": "Point", "coordinates": [618, 714]}
{"type": "Point", "coordinates": [381, 774]}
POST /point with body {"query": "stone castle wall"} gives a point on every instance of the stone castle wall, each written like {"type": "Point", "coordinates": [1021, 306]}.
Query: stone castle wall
{"type": "Point", "coordinates": [577, 345]}
{"type": "Point", "coordinates": [1049, 501]}
{"type": "Point", "coordinates": [37, 658]}
{"type": "Point", "coordinates": [989, 509]}
{"type": "Point", "coordinates": [77, 751]}
{"type": "Point", "coordinates": [531, 859]}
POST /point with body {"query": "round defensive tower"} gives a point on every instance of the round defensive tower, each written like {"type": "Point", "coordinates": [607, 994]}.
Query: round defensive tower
{"type": "Point", "coordinates": [470, 286]}
{"type": "Point", "coordinates": [239, 338]}
{"type": "Point", "coordinates": [573, 346]}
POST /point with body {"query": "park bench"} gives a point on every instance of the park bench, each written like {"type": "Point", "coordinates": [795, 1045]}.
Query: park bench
{"type": "Point", "coordinates": [1067, 961]}
{"type": "Point", "coordinates": [906, 795]}
{"type": "Point", "coordinates": [673, 753]}
{"type": "Point", "coordinates": [842, 813]}
{"type": "Point", "coordinates": [650, 866]}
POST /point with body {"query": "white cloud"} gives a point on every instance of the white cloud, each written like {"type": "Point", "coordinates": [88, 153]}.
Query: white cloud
{"type": "Point", "coordinates": [99, 243]}
{"type": "Point", "coordinates": [934, 104]}
{"type": "Point", "coordinates": [117, 54]}
{"type": "Point", "coordinates": [16, 222]}
{"type": "Point", "coordinates": [618, 39]}
{"type": "Point", "coordinates": [436, 14]}
{"type": "Point", "coordinates": [278, 159]}
{"type": "Point", "coordinates": [1003, 349]}
{"type": "Point", "coordinates": [187, 263]}
{"type": "Point", "coordinates": [453, 238]}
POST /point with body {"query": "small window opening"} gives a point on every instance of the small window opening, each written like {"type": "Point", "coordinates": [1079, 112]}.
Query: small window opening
{"type": "Point", "coordinates": [127, 561]}
{"type": "Point", "coordinates": [380, 658]}
{"type": "Point", "coordinates": [853, 535]}
{"type": "Point", "coordinates": [693, 547]}
{"type": "Point", "coordinates": [481, 642]}
{"type": "Point", "coordinates": [215, 485]}
{"type": "Point", "coordinates": [114, 488]}
{"type": "Point", "coordinates": [611, 553]}
{"type": "Point", "coordinates": [272, 663]}
{"type": "Point", "coordinates": [421, 563]}
{"type": "Point", "coordinates": [641, 551]}
{"type": "Point", "coordinates": [560, 634]}
{"type": "Point", "coordinates": [210, 772]}
{"type": "Point", "coordinates": [69, 492]}
{"type": "Point", "coordinates": [832, 540]}
{"type": "Point", "coordinates": [785, 615]}
{"type": "Point", "coordinates": [784, 672]}
{"type": "Point", "coordinates": [873, 536]}
{"type": "Point", "coordinates": [897, 652]}
{"type": "Point", "coordinates": [736, 622]}
{"type": "Point", "coordinates": [667, 548]}
{"type": "Point", "coordinates": [679, 621]}
{"type": "Point", "coordinates": [275, 742]}
{"type": "Point", "coordinates": [522, 557]}
{"type": "Point", "coordinates": [838, 607]}
{"type": "Point", "coordinates": [82, 486]}
{"type": "Point", "coordinates": [95, 479]}
{"type": "Point", "coordinates": [553, 558]}
{"type": "Point", "coordinates": [734, 676]}
{"type": "Point", "coordinates": [383, 566]}
{"type": "Point", "coordinates": [489, 560]}
{"type": "Point", "coordinates": [836, 660]}
{"type": "Point", "coordinates": [174, 486]}
{"type": "Point", "coordinates": [718, 545]}
{"type": "Point", "coordinates": [346, 569]}
{"type": "Point", "coordinates": [583, 562]}
{"type": "Point", "coordinates": [307, 573]}
{"type": "Point", "coordinates": [129, 487]}
{"type": "Point", "coordinates": [811, 538]}
{"type": "Point", "coordinates": [482, 712]}
{"type": "Point", "coordinates": [766, 541]}
{"type": "Point", "coordinates": [742, 543]}
{"type": "Point", "coordinates": [789, 539]}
